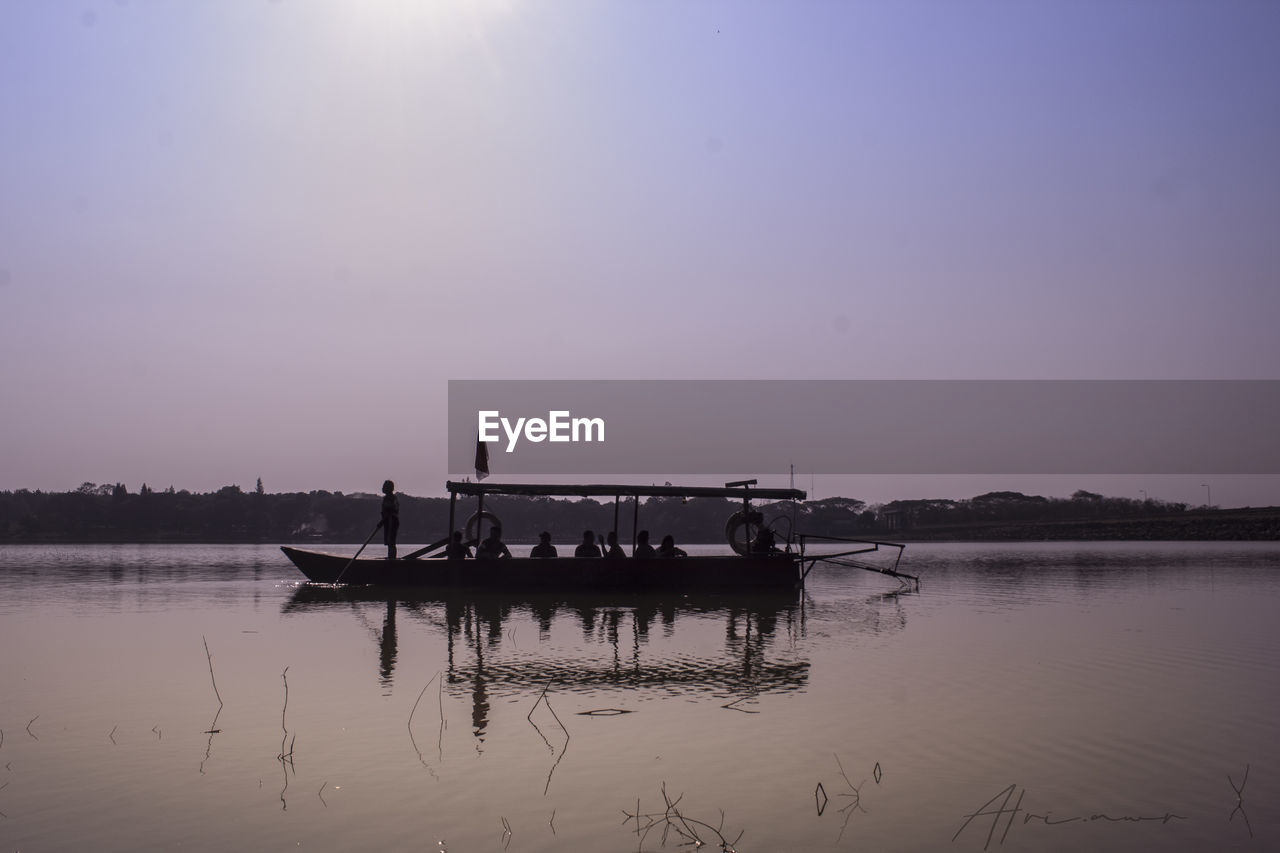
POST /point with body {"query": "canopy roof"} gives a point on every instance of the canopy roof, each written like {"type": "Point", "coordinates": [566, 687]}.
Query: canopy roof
{"type": "Point", "coordinates": [616, 491]}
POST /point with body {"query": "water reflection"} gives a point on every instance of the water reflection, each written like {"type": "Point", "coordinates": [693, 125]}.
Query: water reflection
{"type": "Point", "coordinates": [728, 646]}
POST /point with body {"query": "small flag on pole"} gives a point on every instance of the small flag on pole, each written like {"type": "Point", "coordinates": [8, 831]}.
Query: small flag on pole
{"type": "Point", "coordinates": [482, 459]}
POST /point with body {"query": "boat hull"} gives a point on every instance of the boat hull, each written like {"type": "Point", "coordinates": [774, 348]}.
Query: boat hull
{"type": "Point", "coordinates": [561, 574]}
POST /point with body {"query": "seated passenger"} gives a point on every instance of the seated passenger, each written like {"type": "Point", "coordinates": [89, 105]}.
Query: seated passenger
{"type": "Point", "coordinates": [643, 549]}
{"type": "Point", "coordinates": [764, 543]}
{"type": "Point", "coordinates": [588, 548]}
{"type": "Point", "coordinates": [544, 550]}
{"type": "Point", "coordinates": [455, 550]}
{"type": "Point", "coordinates": [613, 551]}
{"type": "Point", "coordinates": [668, 548]}
{"type": "Point", "coordinates": [493, 548]}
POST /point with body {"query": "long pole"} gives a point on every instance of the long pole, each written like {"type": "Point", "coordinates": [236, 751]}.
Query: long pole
{"type": "Point", "coordinates": [353, 559]}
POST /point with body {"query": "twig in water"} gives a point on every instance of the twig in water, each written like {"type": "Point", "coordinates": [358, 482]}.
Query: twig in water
{"type": "Point", "coordinates": [213, 730]}
{"type": "Point", "coordinates": [33, 719]}
{"type": "Point", "coordinates": [673, 820]}
{"type": "Point", "coordinates": [1245, 781]}
{"type": "Point", "coordinates": [542, 699]}
{"type": "Point", "coordinates": [820, 803]}
{"type": "Point", "coordinates": [1240, 800]}
{"type": "Point", "coordinates": [284, 768]}
{"type": "Point", "coordinates": [112, 735]}
{"type": "Point", "coordinates": [283, 711]}
{"type": "Point", "coordinates": [1, 737]}
{"type": "Point", "coordinates": [409, 724]}
{"type": "Point", "coordinates": [855, 793]}
{"type": "Point", "coordinates": [733, 705]}
{"type": "Point", "coordinates": [320, 793]}
{"type": "Point", "coordinates": [444, 724]}
{"type": "Point", "coordinates": [552, 822]}
{"type": "Point", "coordinates": [213, 726]}
{"type": "Point", "coordinates": [506, 834]}
{"type": "Point", "coordinates": [211, 678]}
{"type": "Point", "coordinates": [285, 758]}
{"type": "Point", "coordinates": [604, 712]}
{"type": "Point", "coordinates": [876, 773]}
{"type": "Point", "coordinates": [159, 734]}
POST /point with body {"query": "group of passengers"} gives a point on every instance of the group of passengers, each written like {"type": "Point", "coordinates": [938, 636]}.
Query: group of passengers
{"type": "Point", "coordinates": [493, 548]}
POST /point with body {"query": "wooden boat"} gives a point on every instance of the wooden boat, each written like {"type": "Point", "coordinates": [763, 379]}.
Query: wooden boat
{"type": "Point", "coordinates": [682, 574]}
{"type": "Point", "coordinates": [746, 570]}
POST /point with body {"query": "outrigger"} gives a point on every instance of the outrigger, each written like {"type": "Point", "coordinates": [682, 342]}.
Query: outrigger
{"type": "Point", "coordinates": [757, 563]}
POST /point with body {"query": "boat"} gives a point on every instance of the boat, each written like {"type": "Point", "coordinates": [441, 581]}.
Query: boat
{"type": "Point", "coordinates": [756, 564]}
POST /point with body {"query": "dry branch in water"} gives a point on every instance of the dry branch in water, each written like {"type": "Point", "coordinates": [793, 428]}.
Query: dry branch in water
{"type": "Point", "coordinates": [285, 756]}
{"type": "Point", "coordinates": [211, 678]}
{"type": "Point", "coordinates": [542, 699]}
{"type": "Point", "coordinates": [733, 706]}
{"type": "Point", "coordinates": [689, 830]}
{"type": "Point", "coordinates": [409, 724]}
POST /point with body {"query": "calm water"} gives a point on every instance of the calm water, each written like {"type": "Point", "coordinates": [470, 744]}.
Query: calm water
{"type": "Point", "coordinates": [1029, 697]}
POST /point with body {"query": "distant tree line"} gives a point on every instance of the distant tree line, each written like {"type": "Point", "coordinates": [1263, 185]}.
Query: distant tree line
{"type": "Point", "coordinates": [1002, 507]}
{"type": "Point", "coordinates": [111, 513]}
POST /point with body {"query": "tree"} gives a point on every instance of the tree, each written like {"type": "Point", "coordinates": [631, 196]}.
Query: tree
{"type": "Point", "coordinates": [258, 490]}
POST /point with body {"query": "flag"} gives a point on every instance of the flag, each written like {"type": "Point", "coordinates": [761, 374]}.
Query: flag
{"type": "Point", "coordinates": [482, 459]}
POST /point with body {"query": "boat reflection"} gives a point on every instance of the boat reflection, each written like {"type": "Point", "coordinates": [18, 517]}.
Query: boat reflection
{"type": "Point", "coordinates": [727, 646]}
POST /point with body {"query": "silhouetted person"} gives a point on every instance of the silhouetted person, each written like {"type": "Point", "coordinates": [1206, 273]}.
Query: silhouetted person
{"type": "Point", "coordinates": [588, 548]}
{"type": "Point", "coordinates": [668, 548]}
{"type": "Point", "coordinates": [390, 522]}
{"type": "Point", "coordinates": [493, 548]}
{"type": "Point", "coordinates": [613, 551]}
{"type": "Point", "coordinates": [644, 550]}
{"type": "Point", "coordinates": [456, 550]}
{"type": "Point", "coordinates": [764, 543]}
{"type": "Point", "coordinates": [544, 550]}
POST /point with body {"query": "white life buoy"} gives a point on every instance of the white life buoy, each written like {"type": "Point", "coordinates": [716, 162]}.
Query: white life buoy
{"type": "Point", "coordinates": [473, 523]}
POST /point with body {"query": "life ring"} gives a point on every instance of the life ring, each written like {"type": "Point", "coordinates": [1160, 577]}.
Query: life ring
{"type": "Point", "coordinates": [740, 520]}
{"type": "Point", "coordinates": [474, 522]}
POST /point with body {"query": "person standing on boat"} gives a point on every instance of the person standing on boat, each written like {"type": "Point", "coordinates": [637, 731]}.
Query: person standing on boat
{"type": "Point", "coordinates": [493, 548]}
{"type": "Point", "coordinates": [544, 550]}
{"type": "Point", "coordinates": [644, 550]}
{"type": "Point", "coordinates": [456, 550]}
{"type": "Point", "coordinates": [588, 548]}
{"type": "Point", "coordinates": [390, 522]}
{"type": "Point", "coordinates": [668, 548]}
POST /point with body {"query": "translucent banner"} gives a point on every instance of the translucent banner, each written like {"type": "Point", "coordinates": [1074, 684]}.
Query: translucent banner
{"type": "Point", "coordinates": [696, 427]}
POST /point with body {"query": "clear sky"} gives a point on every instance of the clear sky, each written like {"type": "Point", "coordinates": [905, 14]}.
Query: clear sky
{"type": "Point", "coordinates": [243, 238]}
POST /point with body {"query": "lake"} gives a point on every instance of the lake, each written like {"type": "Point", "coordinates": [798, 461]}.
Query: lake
{"type": "Point", "coordinates": [1049, 696]}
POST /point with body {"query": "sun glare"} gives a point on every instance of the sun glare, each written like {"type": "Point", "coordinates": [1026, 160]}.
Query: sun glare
{"type": "Point", "coordinates": [422, 24]}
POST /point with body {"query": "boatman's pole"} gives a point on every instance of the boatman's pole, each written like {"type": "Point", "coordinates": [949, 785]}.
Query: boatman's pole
{"type": "Point", "coordinates": [352, 561]}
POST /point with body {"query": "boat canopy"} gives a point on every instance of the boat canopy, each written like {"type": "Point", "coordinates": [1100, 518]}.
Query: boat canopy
{"type": "Point", "coordinates": [736, 491]}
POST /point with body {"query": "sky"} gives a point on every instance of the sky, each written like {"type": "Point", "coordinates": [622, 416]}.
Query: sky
{"type": "Point", "coordinates": [246, 238]}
